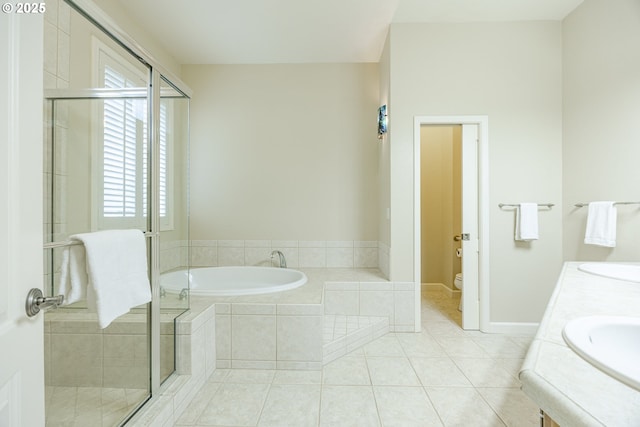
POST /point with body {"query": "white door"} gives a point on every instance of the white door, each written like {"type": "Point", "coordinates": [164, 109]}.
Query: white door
{"type": "Point", "coordinates": [21, 106]}
{"type": "Point", "coordinates": [470, 247]}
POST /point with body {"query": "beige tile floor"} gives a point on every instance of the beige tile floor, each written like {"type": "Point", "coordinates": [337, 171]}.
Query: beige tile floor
{"type": "Point", "coordinates": [443, 376]}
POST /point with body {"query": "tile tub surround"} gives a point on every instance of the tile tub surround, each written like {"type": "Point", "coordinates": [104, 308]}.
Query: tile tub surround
{"type": "Point", "coordinates": [565, 386]}
{"type": "Point", "coordinates": [269, 336]}
{"type": "Point", "coordinates": [395, 300]}
{"type": "Point", "coordinates": [285, 330]}
{"type": "Point", "coordinates": [299, 253]}
{"type": "Point", "coordinates": [343, 334]}
{"type": "Point", "coordinates": [174, 254]}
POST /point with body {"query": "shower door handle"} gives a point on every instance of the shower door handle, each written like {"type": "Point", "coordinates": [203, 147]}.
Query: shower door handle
{"type": "Point", "coordinates": [36, 302]}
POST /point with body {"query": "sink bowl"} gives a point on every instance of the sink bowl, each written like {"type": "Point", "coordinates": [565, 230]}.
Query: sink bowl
{"type": "Point", "coordinates": [630, 273]}
{"type": "Point", "coordinates": [610, 343]}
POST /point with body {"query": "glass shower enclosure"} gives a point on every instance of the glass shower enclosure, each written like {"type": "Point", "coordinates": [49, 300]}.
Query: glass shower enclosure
{"type": "Point", "coordinates": [116, 157]}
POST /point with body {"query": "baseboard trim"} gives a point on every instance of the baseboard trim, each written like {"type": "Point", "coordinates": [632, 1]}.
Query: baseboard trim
{"type": "Point", "coordinates": [518, 328]}
{"type": "Point", "coordinates": [440, 287]}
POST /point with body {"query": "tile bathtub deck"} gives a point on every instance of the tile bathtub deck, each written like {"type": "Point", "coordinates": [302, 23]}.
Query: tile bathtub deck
{"type": "Point", "coordinates": [443, 376]}
{"type": "Point", "coordinates": [310, 293]}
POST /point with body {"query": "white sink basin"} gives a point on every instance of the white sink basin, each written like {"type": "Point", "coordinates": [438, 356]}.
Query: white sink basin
{"type": "Point", "coordinates": [626, 272]}
{"type": "Point", "coordinates": [610, 343]}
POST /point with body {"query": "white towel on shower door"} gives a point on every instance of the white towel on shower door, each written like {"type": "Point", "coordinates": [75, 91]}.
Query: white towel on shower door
{"type": "Point", "coordinates": [73, 275]}
{"type": "Point", "coordinates": [117, 271]}
{"type": "Point", "coordinates": [527, 222]}
{"type": "Point", "coordinates": [601, 224]}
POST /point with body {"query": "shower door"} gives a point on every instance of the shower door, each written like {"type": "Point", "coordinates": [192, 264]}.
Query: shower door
{"type": "Point", "coordinates": [97, 176]}
{"type": "Point", "coordinates": [115, 158]}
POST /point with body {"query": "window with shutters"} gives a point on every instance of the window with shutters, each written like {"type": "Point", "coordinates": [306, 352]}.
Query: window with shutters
{"type": "Point", "coordinates": [122, 148]}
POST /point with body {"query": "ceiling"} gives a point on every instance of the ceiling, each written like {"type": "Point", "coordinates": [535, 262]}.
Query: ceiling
{"type": "Point", "coordinates": [309, 31]}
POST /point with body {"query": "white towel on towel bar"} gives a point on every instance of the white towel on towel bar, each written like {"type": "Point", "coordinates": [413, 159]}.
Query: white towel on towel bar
{"type": "Point", "coordinates": [116, 275]}
{"type": "Point", "coordinates": [73, 275]}
{"type": "Point", "coordinates": [601, 224]}
{"type": "Point", "coordinates": [527, 222]}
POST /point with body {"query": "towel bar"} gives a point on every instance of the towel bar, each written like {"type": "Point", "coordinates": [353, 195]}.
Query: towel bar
{"type": "Point", "coordinates": [36, 302]}
{"type": "Point", "coordinates": [582, 205]}
{"type": "Point", "coordinates": [52, 245]}
{"type": "Point", "coordinates": [515, 205]}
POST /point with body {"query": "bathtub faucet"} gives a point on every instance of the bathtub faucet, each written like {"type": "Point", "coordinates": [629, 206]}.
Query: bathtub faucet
{"type": "Point", "coordinates": [283, 261]}
{"type": "Point", "coordinates": [184, 293]}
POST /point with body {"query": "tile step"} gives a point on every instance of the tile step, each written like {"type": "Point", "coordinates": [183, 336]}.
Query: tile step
{"type": "Point", "coordinates": [343, 334]}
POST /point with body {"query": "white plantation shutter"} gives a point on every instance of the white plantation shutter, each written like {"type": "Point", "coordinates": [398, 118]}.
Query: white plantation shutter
{"type": "Point", "coordinates": [125, 158]}
{"type": "Point", "coordinates": [123, 176]}
{"type": "Point", "coordinates": [120, 189]}
{"type": "Point", "coordinates": [164, 173]}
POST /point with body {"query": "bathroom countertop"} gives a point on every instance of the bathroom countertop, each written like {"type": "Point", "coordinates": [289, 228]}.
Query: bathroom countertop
{"type": "Point", "coordinates": [565, 386]}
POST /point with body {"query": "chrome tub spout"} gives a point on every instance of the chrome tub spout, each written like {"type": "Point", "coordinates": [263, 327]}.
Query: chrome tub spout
{"type": "Point", "coordinates": [283, 261]}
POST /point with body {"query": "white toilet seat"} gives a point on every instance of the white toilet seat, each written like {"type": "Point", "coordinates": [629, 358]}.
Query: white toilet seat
{"type": "Point", "coordinates": [458, 281]}
{"type": "Point", "coordinates": [459, 284]}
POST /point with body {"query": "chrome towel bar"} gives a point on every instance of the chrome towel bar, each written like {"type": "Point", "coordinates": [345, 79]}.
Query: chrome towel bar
{"type": "Point", "coordinates": [515, 205]}
{"type": "Point", "coordinates": [36, 302]}
{"type": "Point", "coordinates": [62, 244]}
{"type": "Point", "coordinates": [582, 205]}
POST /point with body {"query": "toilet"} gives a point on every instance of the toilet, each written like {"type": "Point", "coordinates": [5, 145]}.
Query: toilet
{"type": "Point", "coordinates": [458, 284]}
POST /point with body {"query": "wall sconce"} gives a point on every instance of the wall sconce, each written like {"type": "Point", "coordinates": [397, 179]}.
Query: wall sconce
{"type": "Point", "coordinates": [382, 121]}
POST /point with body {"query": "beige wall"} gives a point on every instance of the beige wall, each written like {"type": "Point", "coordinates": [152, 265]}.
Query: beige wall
{"type": "Point", "coordinates": [440, 151]}
{"type": "Point", "coordinates": [510, 72]}
{"type": "Point", "coordinates": [284, 151]}
{"type": "Point", "coordinates": [601, 136]}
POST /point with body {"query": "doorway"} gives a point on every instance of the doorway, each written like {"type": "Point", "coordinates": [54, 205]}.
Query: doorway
{"type": "Point", "coordinates": [473, 224]}
{"type": "Point", "coordinates": [441, 216]}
